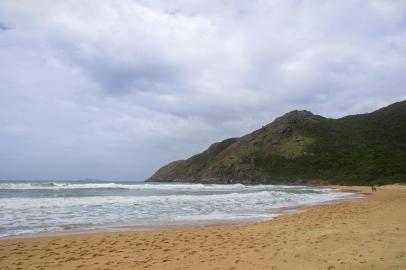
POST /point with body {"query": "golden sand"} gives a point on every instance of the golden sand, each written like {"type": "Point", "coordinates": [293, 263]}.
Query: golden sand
{"type": "Point", "coordinates": [365, 234]}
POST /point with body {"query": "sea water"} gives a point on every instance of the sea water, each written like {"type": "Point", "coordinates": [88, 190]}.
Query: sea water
{"type": "Point", "coordinates": [35, 207]}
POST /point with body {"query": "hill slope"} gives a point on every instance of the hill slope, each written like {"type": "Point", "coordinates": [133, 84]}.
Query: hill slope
{"type": "Point", "coordinates": [301, 147]}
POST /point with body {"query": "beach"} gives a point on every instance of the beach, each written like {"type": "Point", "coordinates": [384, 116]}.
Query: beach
{"type": "Point", "coordinates": [364, 234]}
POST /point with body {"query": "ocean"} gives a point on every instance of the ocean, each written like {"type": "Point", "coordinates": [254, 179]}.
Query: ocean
{"type": "Point", "coordinates": [32, 208]}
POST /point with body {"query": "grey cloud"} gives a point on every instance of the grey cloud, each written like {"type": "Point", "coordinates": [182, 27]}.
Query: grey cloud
{"type": "Point", "coordinates": [116, 79]}
{"type": "Point", "coordinates": [98, 89]}
{"type": "Point", "coordinates": [3, 26]}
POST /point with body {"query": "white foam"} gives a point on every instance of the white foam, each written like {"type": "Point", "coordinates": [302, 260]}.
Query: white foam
{"type": "Point", "coordinates": [180, 203]}
{"type": "Point", "coordinates": [151, 186]}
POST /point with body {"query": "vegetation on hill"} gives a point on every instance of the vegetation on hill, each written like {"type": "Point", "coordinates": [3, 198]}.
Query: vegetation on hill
{"type": "Point", "coordinates": [303, 148]}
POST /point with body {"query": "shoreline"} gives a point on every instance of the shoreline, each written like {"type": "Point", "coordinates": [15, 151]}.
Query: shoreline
{"type": "Point", "coordinates": [362, 234]}
{"type": "Point", "coordinates": [354, 195]}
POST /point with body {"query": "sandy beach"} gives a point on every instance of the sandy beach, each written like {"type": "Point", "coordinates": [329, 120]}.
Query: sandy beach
{"type": "Point", "coordinates": [365, 234]}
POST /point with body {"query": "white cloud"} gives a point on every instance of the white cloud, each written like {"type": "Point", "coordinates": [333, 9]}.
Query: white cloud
{"type": "Point", "coordinates": [107, 89]}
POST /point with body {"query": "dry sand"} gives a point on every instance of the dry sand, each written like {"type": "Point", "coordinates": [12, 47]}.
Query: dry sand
{"type": "Point", "coordinates": [365, 234]}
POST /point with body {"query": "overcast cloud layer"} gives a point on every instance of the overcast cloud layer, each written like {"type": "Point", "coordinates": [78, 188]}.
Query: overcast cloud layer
{"type": "Point", "coordinates": [115, 89]}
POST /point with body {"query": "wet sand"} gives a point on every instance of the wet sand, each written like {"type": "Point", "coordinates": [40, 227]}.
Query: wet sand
{"type": "Point", "coordinates": [365, 234]}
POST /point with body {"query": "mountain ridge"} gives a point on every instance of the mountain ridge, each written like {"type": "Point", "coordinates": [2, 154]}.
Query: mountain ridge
{"type": "Point", "coordinates": [303, 148]}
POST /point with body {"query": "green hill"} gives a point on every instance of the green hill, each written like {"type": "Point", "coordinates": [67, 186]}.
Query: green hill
{"type": "Point", "coordinates": [301, 147]}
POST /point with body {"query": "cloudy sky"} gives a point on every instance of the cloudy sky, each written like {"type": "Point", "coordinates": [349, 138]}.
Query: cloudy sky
{"type": "Point", "coordinates": [115, 89]}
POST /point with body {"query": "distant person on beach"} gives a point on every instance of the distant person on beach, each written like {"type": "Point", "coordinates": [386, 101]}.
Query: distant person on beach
{"type": "Point", "coordinates": [373, 187]}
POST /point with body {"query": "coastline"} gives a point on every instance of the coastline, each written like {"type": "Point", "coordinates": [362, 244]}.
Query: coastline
{"type": "Point", "coordinates": [361, 234]}
{"type": "Point", "coordinates": [351, 195]}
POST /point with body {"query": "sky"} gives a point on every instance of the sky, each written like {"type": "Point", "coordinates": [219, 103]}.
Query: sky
{"type": "Point", "coordinates": [113, 90]}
